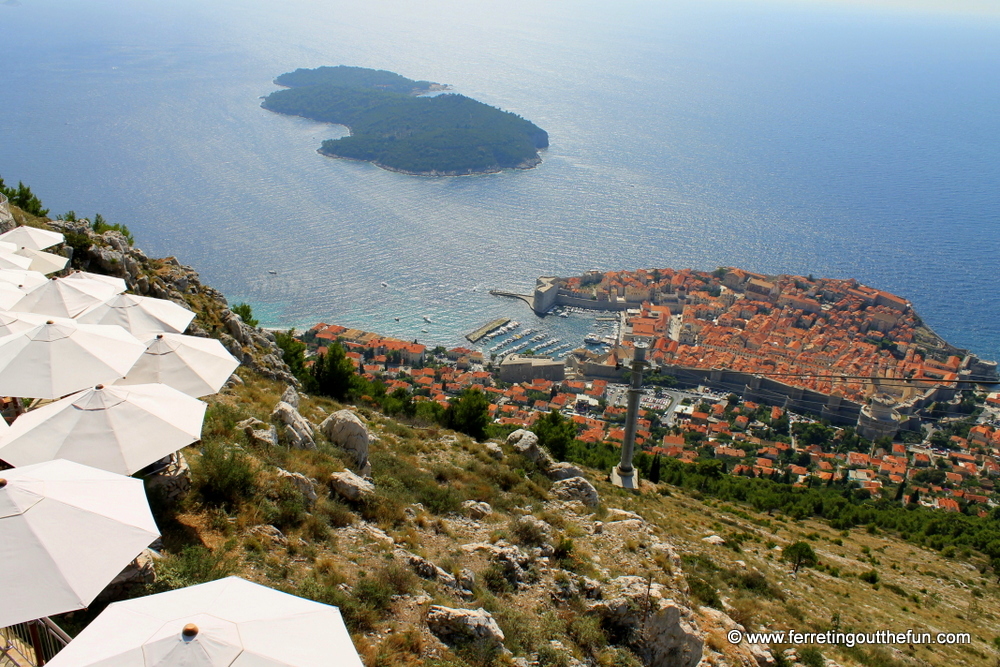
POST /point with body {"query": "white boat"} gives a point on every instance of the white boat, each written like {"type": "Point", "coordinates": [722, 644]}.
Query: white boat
{"type": "Point", "coordinates": [427, 318]}
{"type": "Point", "coordinates": [385, 284]}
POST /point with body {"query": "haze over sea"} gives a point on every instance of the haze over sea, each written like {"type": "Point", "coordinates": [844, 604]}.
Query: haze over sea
{"type": "Point", "coordinates": [838, 139]}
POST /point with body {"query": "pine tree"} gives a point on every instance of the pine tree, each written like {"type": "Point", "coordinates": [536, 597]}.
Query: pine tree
{"type": "Point", "coordinates": [332, 373]}
{"type": "Point", "coordinates": [654, 470]}
{"type": "Point", "coordinates": [555, 433]}
{"type": "Point", "coordinates": [469, 413]}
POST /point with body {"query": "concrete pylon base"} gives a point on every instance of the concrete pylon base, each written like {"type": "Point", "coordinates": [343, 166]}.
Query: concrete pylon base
{"type": "Point", "coordinates": [627, 481]}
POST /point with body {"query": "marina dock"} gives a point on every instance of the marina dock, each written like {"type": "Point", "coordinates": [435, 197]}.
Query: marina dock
{"type": "Point", "coordinates": [476, 335]}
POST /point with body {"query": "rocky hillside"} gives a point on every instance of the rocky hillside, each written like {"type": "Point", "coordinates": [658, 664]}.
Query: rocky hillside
{"type": "Point", "coordinates": [444, 551]}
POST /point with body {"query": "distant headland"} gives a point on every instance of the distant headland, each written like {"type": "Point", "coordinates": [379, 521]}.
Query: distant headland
{"type": "Point", "coordinates": [393, 126]}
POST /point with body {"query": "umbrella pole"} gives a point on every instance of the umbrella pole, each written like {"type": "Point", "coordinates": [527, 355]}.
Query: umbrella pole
{"type": "Point", "coordinates": [18, 407]}
{"type": "Point", "coordinates": [36, 642]}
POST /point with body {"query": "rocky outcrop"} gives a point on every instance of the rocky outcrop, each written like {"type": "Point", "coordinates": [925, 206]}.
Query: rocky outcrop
{"type": "Point", "coordinates": [295, 431]}
{"type": "Point", "coordinates": [259, 433]}
{"type": "Point", "coordinates": [477, 510]}
{"type": "Point", "coordinates": [513, 562]}
{"type": "Point", "coordinates": [464, 626]}
{"type": "Point", "coordinates": [526, 444]}
{"type": "Point", "coordinates": [426, 569]}
{"type": "Point", "coordinates": [270, 534]}
{"type": "Point", "coordinates": [291, 397]}
{"type": "Point", "coordinates": [662, 632]}
{"type": "Point", "coordinates": [350, 486]}
{"type": "Point", "coordinates": [563, 470]}
{"type": "Point", "coordinates": [302, 484]}
{"type": "Point", "coordinates": [576, 488]}
{"type": "Point", "coordinates": [494, 450]}
{"type": "Point", "coordinates": [346, 430]}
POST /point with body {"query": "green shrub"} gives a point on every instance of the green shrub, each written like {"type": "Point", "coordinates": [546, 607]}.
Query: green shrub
{"type": "Point", "coordinates": [810, 656]}
{"type": "Point", "coordinates": [100, 225]}
{"type": "Point", "coordinates": [550, 657]}
{"type": "Point", "coordinates": [869, 577]}
{"type": "Point", "coordinates": [704, 592]}
{"type": "Point", "coordinates": [246, 314]}
{"type": "Point", "coordinates": [527, 533]}
{"type": "Point", "coordinates": [225, 476]}
{"type": "Point", "coordinates": [497, 580]}
{"type": "Point", "coordinates": [588, 634]}
{"type": "Point", "coordinates": [195, 564]}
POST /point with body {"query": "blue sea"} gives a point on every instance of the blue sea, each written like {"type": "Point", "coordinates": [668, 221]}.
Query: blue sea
{"type": "Point", "coordinates": [840, 139]}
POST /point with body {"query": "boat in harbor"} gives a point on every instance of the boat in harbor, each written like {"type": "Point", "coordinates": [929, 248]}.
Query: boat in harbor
{"type": "Point", "coordinates": [427, 318]}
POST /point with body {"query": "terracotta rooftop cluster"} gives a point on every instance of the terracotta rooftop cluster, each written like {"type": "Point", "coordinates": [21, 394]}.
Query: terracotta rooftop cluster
{"type": "Point", "coordinates": [774, 325]}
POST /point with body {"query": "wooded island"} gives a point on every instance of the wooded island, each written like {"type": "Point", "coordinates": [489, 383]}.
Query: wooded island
{"type": "Point", "coordinates": [396, 128]}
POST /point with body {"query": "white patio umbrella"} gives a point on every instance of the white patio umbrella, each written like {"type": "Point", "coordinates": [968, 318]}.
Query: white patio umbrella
{"type": "Point", "coordinates": [118, 429]}
{"type": "Point", "coordinates": [32, 237]}
{"type": "Point", "coordinates": [9, 260]}
{"type": "Point", "coordinates": [196, 366]}
{"type": "Point", "coordinates": [140, 315]}
{"type": "Point", "coordinates": [14, 322]}
{"type": "Point", "coordinates": [62, 297]}
{"type": "Point", "coordinates": [117, 283]}
{"type": "Point", "coordinates": [23, 278]}
{"type": "Point", "coordinates": [8, 247]}
{"type": "Point", "coordinates": [46, 262]}
{"type": "Point", "coordinates": [9, 295]}
{"type": "Point", "coordinates": [66, 531]}
{"type": "Point", "coordinates": [230, 622]}
{"type": "Point", "coordinates": [58, 357]}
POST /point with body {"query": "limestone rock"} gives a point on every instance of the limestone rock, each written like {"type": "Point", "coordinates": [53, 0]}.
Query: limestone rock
{"type": "Point", "coordinates": [258, 432]}
{"type": "Point", "coordinates": [426, 569]}
{"type": "Point", "coordinates": [346, 430]}
{"type": "Point", "coordinates": [494, 450]}
{"type": "Point", "coordinates": [295, 431]}
{"type": "Point", "coordinates": [525, 443]}
{"type": "Point", "coordinates": [511, 560]}
{"type": "Point", "coordinates": [663, 633]}
{"type": "Point", "coordinates": [302, 484]}
{"type": "Point", "coordinates": [350, 486]}
{"type": "Point", "coordinates": [576, 488]}
{"type": "Point", "coordinates": [714, 539]}
{"type": "Point", "coordinates": [563, 470]}
{"type": "Point", "coordinates": [535, 526]}
{"type": "Point", "coordinates": [291, 397]}
{"type": "Point", "coordinates": [615, 514]}
{"type": "Point", "coordinates": [460, 626]}
{"type": "Point", "coordinates": [466, 579]}
{"type": "Point", "coordinates": [477, 510]}
{"type": "Point", "coordinates": [269, 533]}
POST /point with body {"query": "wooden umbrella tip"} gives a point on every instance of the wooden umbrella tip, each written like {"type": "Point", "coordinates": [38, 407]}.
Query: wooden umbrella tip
{"type": "Point", "coordinates": [50, 321]}
{"type": "Point", "coordinates": [3, 482]}
{"type": "Point", "coordinates": [190, 630]}
{"type": "Point", "coordinates": [159, 335]}
{"type": "Point", "coordinates": [100, 386]}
